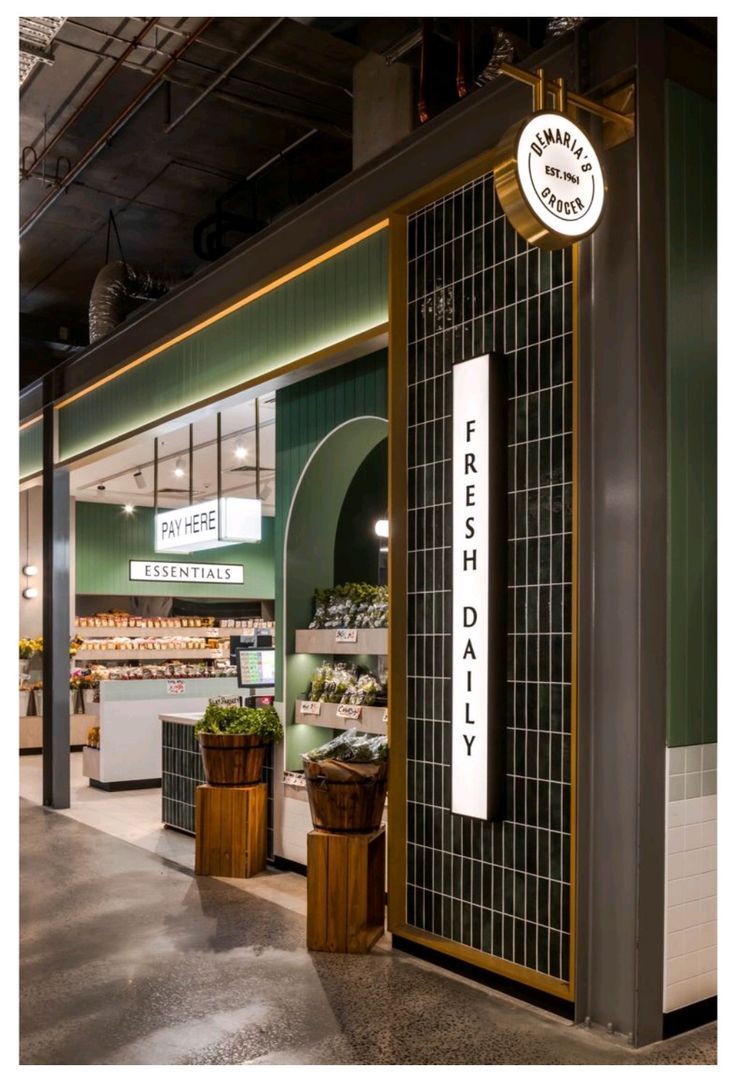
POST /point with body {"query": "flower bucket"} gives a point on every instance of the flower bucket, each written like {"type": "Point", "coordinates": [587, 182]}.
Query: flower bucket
{"type": "Point", "coordinates": [232, 760]}
{"type": "Point", "coordinates": [346, 796]}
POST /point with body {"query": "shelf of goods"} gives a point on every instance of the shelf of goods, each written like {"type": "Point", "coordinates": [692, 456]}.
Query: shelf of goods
{"type": "Point", "coordinates": [98, 632]}
{"type": "Point", "coordinates": [368, 642]}
{"type": "Point", "coordinates": [364, 717]}
{"type": "Point", "coordinates": [152, 654]}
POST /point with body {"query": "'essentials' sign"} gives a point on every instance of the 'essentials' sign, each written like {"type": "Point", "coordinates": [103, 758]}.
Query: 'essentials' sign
{"type": "Point", "coordinates": [188, 572]}
{"type": "Point", "coordinates": [479, 585]}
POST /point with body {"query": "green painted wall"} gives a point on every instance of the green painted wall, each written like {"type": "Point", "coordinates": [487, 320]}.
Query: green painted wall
{"type": "Point", "coordinates": [305, 414]}
{"type": "Point", "coordinates": [337, 299]}
{"type": "Point", "coordinates": [30, 449]}
{"type": "Point", "coordinates": [356, 547]}
{"type": "Point", "coordinates": [692, 416]}
{"type": "Point", "coordinates": [107, 538]}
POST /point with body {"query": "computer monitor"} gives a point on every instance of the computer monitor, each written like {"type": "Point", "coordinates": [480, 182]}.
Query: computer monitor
{"type": "Point", "coordinates": [256, 667]}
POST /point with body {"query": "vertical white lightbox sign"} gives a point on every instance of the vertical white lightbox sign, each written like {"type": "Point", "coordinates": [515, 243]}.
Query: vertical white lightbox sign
{"type": "Point", "coordinates": [470, 586]}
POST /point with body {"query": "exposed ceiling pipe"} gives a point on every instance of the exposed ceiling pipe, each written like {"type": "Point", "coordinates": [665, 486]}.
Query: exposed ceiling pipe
{"type": "Point", "coordinates": [395, 52]}
{"type": "Point", "coordinates": [225, 74]}
{"type": "Point", "coordinates": [119, 60]}
{"type": "Point", "coordinates": [120, 120]}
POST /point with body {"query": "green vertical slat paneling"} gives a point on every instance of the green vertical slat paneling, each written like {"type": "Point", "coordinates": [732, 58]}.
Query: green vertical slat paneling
{"type": "Point", "coordinates": [106, 539]}
{"type": "Point", "coordinates": [335, 300]}
{"type": "Point", "coordinates": [30, 449]}
{"type": "Point", "coordinates": [692, 416]}
{"type": "Point", "coordinates": [305, 414]}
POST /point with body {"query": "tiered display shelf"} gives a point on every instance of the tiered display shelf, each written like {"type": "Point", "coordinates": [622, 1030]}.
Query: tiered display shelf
{"type": "Point", "coordinates": [153, 655]}
{"type": "Point", "coordinates": [369, 642]}
{"type": "Point", "coordinates": [370, 719]}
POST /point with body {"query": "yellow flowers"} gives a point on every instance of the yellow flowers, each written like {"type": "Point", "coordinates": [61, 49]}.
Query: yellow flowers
{"type": "Point", "coordinates": [29, 646]}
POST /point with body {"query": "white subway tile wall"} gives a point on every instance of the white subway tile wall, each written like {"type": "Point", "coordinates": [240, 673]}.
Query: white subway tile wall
{"type": "Point", "coordinates": [690, 951]}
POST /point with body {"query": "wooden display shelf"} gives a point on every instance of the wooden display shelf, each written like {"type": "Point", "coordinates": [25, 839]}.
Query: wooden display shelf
{"type": "Point", "coordinates": [99, 632]}
{"type": "Point", "coordinates": [371, 718]}
{"type": "Point", "coordinates": [153, 655]}
{"type": "Point", "coordinates": [230, 830]}
{"type": "Point", "coordinates": [345, 888]}
{"type": "Point", "coordinates": [370, 642]}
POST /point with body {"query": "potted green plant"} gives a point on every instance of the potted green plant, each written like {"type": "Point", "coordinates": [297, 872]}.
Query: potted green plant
{"type": "Point", "coordinates": [346, 781]}
{"type": "Point", "coordinates": [233, 741]}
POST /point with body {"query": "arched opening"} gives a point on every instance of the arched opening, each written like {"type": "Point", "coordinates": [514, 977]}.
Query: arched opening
{"type": "Point", "coordinates": [309, 554]}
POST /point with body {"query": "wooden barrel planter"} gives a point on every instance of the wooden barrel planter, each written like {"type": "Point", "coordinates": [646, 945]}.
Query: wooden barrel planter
{"type": "Point", "coordinates": [232, 760]}
{"type": "Point", "coordinates": [346, 797]}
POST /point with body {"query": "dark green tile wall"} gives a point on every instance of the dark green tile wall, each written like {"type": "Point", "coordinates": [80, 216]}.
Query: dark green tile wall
{"type": "Point", "coordinates": [475, 286]}
{"type": "Point", "coordinates": [692, 416]}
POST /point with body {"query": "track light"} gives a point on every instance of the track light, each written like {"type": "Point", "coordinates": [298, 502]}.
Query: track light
{"type": "Point", "coordinates": [128, 508]}
{"type": "Point", "coordinates": [240, 452]}
{"type": "Point", "coordinates": [139, 480]}
{"type": "Point", "coordinates": [30, 593]}
{"type": "Point", "coordinates": [381, 529]}
{"type": "Point", "coordinates": [179, 468]}
{"type": "Point", "coordinates": [30, 570]}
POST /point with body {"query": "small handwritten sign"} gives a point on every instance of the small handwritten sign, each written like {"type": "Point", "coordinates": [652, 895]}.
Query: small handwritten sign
{"type": "Point", "coordinates": [310, 708]}
{"type": "Point", "coordinates": [349, 711]}
{"type": "Point", "coordinates": [346, 636]}
{"type": "Point", "coordinates": [175, 687]}
{"type": "Point", "coordinates": [226, 702]}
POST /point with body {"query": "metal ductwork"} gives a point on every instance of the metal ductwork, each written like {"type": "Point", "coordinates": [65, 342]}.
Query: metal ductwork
{"type": "Point", "coordinates": [560, 25]}
{"type": "Point", "coordinates": [504, 52]}
{"type": "Point", "coordinates": [118, 289]}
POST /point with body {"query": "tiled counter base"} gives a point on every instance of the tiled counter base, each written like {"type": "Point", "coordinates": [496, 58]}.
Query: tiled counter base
{"type": "Point", "coordinates": [182, 772]}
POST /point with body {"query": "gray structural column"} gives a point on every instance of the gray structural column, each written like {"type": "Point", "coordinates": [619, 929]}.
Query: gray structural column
{"type": "Point", "coordinates": [622, 578]}
{"type": "Point", "coordinates": [56, 558]}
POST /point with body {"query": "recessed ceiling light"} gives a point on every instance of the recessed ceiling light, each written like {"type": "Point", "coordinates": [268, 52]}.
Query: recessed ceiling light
{"type": "Point", "coordinates": [240, 452]}
{"type": "Point", "coordinates": [30, 593]}
{"type": "Point", "coordinates": [30, 570]}
{"type": "Point", "coordinates": [127, 508]}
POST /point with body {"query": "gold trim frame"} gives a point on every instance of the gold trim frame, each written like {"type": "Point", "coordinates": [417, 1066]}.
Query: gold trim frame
{"type": "Point", "coordinates": [398, 627]}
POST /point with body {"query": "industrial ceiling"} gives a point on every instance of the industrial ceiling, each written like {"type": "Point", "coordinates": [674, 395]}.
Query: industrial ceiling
{"type": "Point", "coordinates": [163, 142]}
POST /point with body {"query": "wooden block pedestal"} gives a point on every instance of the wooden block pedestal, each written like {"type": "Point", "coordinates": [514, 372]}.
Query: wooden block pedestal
{"type": "Point", "coordinates": [345, 891]}
{"type": "Point", "coordinates": [230, 830]}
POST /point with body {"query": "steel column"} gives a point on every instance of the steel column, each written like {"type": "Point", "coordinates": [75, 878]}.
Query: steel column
{"type": "Point", "coordinates": [622, 578]}
{"type": "Point", "coordinates": [56, 620]}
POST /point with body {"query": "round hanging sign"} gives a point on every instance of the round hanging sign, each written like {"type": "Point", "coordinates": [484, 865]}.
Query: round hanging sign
{"type": "Point", "coordinates": [550, 184]}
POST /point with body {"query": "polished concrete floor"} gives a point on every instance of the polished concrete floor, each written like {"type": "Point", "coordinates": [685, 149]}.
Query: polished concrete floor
{"type": "Point", "coordinates": [127, 958]}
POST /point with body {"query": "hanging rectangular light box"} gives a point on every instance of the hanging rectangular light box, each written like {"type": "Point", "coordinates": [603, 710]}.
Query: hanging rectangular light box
{"type": "Point", "coordinates": [206, 525]}
{"type": "Point", "coordinates": [479, 584]}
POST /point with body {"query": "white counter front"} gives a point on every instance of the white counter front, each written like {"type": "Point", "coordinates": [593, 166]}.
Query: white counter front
{"type": "Point", "coordinates": [130, 728]}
